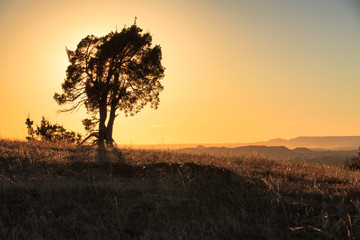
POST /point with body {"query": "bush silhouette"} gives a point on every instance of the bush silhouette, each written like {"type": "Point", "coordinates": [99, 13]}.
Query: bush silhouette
{"type": "Point", "coordinates": [353, 163]}
{"type": "Point", "coordinates": [51, 132]}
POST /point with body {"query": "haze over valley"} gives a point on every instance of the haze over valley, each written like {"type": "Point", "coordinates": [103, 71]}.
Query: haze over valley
{"type": "Point", "coordinates": [333, 151]}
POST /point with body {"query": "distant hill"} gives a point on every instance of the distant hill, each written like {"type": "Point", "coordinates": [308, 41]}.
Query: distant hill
{"type": "Point", "coordinates": [338, 143]}
{"type": "Point", "coordinates": [332, 142]}
{"type": "Point", "coordinates": [332, 158]}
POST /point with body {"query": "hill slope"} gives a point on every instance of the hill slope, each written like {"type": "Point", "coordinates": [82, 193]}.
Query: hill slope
{"type": "Point", "coordinates": [54, 191]}
{"type": "Point", "coordinates": [331, 158]}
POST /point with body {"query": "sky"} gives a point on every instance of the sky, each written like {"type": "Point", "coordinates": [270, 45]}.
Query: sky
{"type": "Point", "coordinates": [236, 70]}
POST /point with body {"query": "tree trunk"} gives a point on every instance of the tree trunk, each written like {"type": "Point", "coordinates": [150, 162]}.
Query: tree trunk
{"type": "Point", "coordinates": [110, 127]}
{"type": "Point", "coordinates": [102, 127]}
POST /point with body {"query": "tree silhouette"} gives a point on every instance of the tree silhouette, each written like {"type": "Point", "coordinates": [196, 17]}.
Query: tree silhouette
{"type": "Point", "coordinates": [119, 71]}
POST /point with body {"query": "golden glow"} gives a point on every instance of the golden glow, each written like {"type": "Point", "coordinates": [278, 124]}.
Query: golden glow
{"type": "Point", "coordinates": [236, 71]}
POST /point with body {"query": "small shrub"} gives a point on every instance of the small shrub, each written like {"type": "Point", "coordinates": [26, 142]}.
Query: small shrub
{"type": "Point", "coordinates": [353, 163]}
{"type": "Point", "coordinates": [51, 132]}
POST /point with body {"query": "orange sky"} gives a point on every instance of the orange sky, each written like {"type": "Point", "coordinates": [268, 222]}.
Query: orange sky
{"type": "Point", "coordinates": [236, 71]}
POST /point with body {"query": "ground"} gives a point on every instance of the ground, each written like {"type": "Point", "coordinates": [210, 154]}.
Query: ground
{"type": "Point", "coordinates": [59, 191]}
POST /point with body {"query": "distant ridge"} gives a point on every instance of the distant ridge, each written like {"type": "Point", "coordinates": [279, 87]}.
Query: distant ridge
{"type": "Point", "coordinates": [334, 158]}
{"type": "Point", "coordinates": [319, 143]}
{"type": "Point", "coordinates": [330, 142]}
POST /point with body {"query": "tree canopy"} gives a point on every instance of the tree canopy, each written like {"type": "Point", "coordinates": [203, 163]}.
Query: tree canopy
{"type": "Point", "coordinates": [120, 71]}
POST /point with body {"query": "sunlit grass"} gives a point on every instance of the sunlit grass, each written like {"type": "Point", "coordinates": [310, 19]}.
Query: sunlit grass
{"type": "Point", "coordinates": [59, 191]}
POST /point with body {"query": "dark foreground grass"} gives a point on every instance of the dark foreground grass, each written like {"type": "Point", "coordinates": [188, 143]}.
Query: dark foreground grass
{"type": "Point", "coordinates": [54, 191]}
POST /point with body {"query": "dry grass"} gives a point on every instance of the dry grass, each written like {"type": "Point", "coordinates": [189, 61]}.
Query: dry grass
{"type": "Point", "coordinates": [57, 191]}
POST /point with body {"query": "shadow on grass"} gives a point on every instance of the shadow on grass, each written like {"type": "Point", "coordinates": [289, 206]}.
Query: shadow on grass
{"type": "Point", "coordinates": [124, 170]}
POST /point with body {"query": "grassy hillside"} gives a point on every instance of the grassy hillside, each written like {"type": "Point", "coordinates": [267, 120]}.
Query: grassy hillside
{"type": "Point", "coordinates": [56, 191]}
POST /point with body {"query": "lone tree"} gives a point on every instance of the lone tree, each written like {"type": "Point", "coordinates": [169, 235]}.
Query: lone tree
{"type": "Point", "coordinates": [119, 71]}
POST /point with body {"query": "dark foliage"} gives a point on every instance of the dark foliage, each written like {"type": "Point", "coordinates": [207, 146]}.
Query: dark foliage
{"type": "Point", "coordinates": [353, 163]}
{"type": "Point", "coordinates": [119, 71]}
{"type": "Point", "coordinates": [51, 132]}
